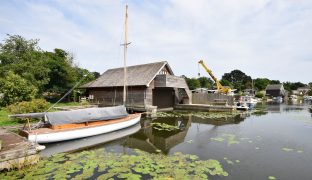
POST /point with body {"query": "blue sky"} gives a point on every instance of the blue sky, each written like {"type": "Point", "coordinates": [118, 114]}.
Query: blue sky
{"type": "Point", "coordinates": [263, 38]}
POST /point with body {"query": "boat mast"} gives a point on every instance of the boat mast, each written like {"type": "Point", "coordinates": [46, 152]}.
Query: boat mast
{"type": "Point", "coordinates": [125, 57]}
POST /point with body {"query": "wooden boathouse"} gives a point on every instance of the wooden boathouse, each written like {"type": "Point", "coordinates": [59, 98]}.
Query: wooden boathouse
{"type": "Point", "coordinates": [148, 85]}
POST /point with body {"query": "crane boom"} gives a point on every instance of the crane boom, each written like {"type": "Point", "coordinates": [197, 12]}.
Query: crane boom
{"type": "Point", "coordinates": [220, 88]}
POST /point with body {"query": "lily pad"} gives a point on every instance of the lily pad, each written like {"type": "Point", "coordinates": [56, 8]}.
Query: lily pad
{"type": "Point", "coordinates": [271, 178]}
{"type": "Point", "coordinates": [287, 149]}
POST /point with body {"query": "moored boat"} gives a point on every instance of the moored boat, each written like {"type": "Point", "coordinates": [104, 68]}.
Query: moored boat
{"type": "Point", "coordinates": [68, 125]}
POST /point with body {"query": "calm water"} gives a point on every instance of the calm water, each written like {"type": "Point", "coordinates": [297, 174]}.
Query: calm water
{"type": "Point", "coordinates": [249, 146]}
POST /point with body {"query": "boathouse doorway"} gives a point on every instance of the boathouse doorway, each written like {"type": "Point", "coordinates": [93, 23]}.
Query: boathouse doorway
{"type": "Point", "coordinates": [163, 97]}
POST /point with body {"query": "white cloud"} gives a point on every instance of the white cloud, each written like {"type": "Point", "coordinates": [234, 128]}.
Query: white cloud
{"type": "Point", "coordinates": [263, 38]}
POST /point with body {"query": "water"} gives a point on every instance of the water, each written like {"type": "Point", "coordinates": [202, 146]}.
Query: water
{"type": "Point", "coordinates": [276, 142]}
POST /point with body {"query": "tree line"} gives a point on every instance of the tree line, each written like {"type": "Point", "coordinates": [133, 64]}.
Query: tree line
{"type": "Point", "coordinates": [28, 72]}
{"type": "Point", "coordinates": [237, 79]}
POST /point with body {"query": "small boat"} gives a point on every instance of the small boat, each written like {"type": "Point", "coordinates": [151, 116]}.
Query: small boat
{"type": "Point", "coordinates": [242, 108]}
{"type": "Point", "coordinates": [248, 101]}
{"type": "Point", "coordinates": [277, 100]}
{"type": "Point", "coordinates": [68, 125]}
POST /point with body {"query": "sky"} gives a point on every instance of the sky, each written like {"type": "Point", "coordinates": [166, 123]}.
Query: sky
{"type": "Point", "coordinates": [263, 38]}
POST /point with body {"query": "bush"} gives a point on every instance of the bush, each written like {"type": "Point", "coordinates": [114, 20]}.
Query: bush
{"type": "Point", "coordinates": [36, 105]}
{"type": "Point", "coordinates": [13, 88]}
{"type": "Point", "coordinates": [259, 95]}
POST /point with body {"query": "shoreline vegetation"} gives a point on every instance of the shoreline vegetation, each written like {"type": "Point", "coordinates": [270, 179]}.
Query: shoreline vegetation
{"type": "Point", "coordinates": [5, 121]}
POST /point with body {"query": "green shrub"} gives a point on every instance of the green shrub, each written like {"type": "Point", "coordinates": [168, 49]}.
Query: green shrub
{"type": "Point", "coordinates": [13, 88]}
{"type": "Point", "coordinates": [36, 105]}
{"type": "Point", "coordinates": [259, 95]}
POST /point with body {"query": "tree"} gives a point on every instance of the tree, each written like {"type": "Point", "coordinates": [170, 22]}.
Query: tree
{"type": "Point", "coordinates": [192, 83]}
{"type": "Point", "coordinates": [261, 83]}
{"type": "Point", "coordinates": [205, 82]}
{"type": "Point", "coordinates": [62, 73]}
{"type": "Point", "coordinates": [275, 82]}
{"type": "Point", "coordinates": [96, 74]}
{"type": "Point", "coordinates": [49, 72]}
{"type": "Point", "coordinates": [15, 89]}
{"type": "Point", "coordinates": [289, 86]}
{"type": "Point", "coordinates": [25, 58]}
{"type": "Point", "coordinates": [225, 82]}
{"type": "Point", "coordinates": [238, 79]}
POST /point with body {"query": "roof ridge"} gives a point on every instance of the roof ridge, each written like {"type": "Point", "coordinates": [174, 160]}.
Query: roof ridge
{"type": "Point", "coordinates": [139, 65]}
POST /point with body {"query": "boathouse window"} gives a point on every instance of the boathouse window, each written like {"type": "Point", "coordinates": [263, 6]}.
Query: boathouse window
{"type": "Point", "coordinates": [163, 71]}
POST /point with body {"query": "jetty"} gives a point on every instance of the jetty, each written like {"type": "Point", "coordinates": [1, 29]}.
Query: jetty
{"type": "Point", "coordinates": [16, 151]}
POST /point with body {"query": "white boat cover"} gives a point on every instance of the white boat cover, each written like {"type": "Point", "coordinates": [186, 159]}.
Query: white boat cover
{"type": "Point", "coordinates": [86, 115]}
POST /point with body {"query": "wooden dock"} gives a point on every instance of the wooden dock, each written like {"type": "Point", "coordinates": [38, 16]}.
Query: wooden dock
{"type": "Point", "coordinates": [204, 107]}
{"type": "Point", "coordinates": [16, 151]}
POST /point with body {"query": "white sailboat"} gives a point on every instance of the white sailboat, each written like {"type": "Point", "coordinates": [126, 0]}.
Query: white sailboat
{"type": "Point", "coordinates": [68, 125]}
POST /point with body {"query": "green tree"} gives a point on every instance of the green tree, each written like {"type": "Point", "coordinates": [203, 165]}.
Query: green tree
{"type": "Point", "coordinates": [51, 73]}
{"type": "Point", "coordinates": [205, 82]}
{"type": "Point", "coordinates": [25, 58]}
{"type": "Point", "coordinates": [261, 83]}
{"type": "Point", "coordinates": [275, 82]}
{"type": "Point", "coordinates": [225, 82]}
{"type": "Point", "coordinates": [192, 83]}
{"type": "Point", "coordinates": [15, 89]}
{"type": "Point", "coordinates": [62, 74]}
{"type": "Point", "coordinates": [289, 86]}
{"type": "Point", "coordinates": [238, 79]}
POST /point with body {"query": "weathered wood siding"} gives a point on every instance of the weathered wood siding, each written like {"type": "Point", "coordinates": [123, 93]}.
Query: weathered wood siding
{"type": "Point", "coordinates": [114, 96]}
{"type": "Point", "coordinates": [165, 80]}
{"type": "Point", "coordinates": [209, 98]}
{"type": "Point", "coordinates": [149, 94]}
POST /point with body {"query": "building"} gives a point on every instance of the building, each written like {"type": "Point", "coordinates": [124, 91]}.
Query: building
{"type": "Point", "coordinates": [148, 85]}
{"type": "Point", "coordinates": [303, 90]}
{"type": "Point", "coordinates": [250, 92]}
{"type": "Point", "coordinates": [275, 90]}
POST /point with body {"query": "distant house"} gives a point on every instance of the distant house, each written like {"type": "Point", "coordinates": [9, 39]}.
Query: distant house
{"type": "Point", "coordinates": [250, 92]}
{"type": "Point", "coordinates": [303, 90]}
{"type": "Point", "coordinates": [152, 84]}
{"type": "Point", "coordinates": [275, 90]}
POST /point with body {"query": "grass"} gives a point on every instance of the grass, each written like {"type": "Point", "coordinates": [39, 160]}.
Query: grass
{"type": "Point", "coordinates": [68, 104]}
{"type": "Point", "coordinates": [6, 121]}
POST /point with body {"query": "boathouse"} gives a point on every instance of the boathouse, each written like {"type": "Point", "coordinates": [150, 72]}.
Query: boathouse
{"type": "Point", "coordinates": [148, 85]}
{"type": "Point", "coordinates": [275, 90]}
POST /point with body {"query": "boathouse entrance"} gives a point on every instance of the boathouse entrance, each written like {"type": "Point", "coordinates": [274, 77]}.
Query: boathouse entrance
{"type": "Point", "coordinates": [163, 97]}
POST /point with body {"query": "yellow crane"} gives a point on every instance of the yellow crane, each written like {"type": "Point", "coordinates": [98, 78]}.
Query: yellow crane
{"type": "Point", "coordinates": [220, 88]}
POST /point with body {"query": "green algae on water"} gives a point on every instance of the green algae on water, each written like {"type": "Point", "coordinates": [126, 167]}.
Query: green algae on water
{"type": "Point", "coordinates": [100, 164]}
{"type": "Point", "coordinates": [271, 178]}
{"type": "Point", "coordinates": [229, 138]}
{"type": "Point", "coordinates": [203, 115]}
{"type": "Point", "coordinates": [164, 127]}
{"type": "Point", "coordinates": [287, 149]}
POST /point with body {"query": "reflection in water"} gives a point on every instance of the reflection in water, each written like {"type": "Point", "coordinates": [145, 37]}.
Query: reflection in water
{"type": "Point", "coordinates": [78, 144]}
{"type": "Point", "coordinates": [150, 139]}
{"type": "Point", "coordinates": [257, 140]}
{"type": "Point", "coordinates": [221, 121]}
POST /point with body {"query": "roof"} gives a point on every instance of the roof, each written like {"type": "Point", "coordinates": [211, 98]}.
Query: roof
{"type": "Point", "coordinates": [304, 88]}
{"type": "Point", "coordinates": [138, 75]}
{"type": "Point", "coordinates": [274, 86]}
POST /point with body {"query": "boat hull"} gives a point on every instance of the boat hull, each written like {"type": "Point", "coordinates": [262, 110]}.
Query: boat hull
{"type": "Point", "coordinates": [87, 131]}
